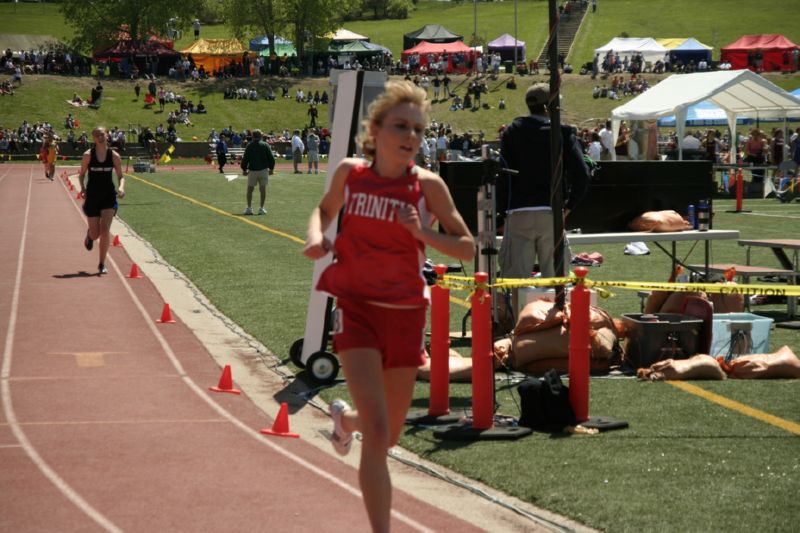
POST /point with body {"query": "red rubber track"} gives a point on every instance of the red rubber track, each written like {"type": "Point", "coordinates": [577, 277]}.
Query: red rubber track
{"type": "Point", "coordinates": [102, 426]}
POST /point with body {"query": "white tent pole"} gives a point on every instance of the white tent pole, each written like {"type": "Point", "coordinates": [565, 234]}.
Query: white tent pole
{"type": "Point", "coordinates": [680, 128]}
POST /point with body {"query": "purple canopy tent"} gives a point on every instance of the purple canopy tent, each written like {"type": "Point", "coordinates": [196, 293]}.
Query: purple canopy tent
{"type": "Point", "coordinates": [504, 45]}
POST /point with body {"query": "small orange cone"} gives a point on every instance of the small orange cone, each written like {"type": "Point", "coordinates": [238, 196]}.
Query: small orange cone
{"type": "Point", "coordinates": [166, 316]}
{"type": "Point", "coordinates": [225, 382]}
{"type": "Point", "coordinates": [116, 241]}
{"type": "Point", "coordinates": [280, 428]}
{"type": "Point", "coordinates": [134, 274]}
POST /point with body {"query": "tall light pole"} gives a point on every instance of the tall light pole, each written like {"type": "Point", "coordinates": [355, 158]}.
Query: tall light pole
{"type": "Point", "coordinates": [475, 20]}
{"type": "Point", "coordinates": [516, 62]}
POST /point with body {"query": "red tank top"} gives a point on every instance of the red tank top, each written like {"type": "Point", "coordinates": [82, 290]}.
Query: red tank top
{"type": "Point", "coordinates": [377, 259]}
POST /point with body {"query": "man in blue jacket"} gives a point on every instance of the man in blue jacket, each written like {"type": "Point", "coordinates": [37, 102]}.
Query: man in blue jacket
{"type": "Point", "coordinates": [525, 198]}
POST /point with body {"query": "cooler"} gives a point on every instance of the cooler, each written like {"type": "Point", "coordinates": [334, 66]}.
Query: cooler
{"type": "Point", "coordinates": [658, 336]}
{"type": "Point", "coordinates": [735, 334]}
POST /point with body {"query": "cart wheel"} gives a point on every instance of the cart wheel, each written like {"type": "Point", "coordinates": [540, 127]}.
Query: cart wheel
{"type": "Point", "coordinates": [296, 353]}
{"type": "Point", "coordinates": [323, 367]}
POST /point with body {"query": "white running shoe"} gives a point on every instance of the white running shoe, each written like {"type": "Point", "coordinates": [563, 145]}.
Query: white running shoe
{"type": "Point", "coordinates": [262, 211]}
{"type": "Point", "coordinates": [248, 211]}
{"type": "Point", "coordinates": [341, 439]}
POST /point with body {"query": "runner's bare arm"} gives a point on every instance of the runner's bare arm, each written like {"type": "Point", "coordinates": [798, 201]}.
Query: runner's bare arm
{"type": "Point", "coordinates": [321, 217]}
{"type": "Point", "coordinates": [120, 175]}
{"type": "Point", "coordinates": [87, 157]}
{"type": "Point", "coordinates": [458, 241]}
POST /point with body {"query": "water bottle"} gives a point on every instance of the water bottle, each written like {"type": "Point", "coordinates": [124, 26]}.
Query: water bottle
{"type": "Point", "coordinates": [703, 216]}
{"type": "Point", "coordinates": [690, 216]}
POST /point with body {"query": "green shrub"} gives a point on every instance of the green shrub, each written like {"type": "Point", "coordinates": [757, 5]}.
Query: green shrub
{"type": "Point", "coordinates": [398, 9]}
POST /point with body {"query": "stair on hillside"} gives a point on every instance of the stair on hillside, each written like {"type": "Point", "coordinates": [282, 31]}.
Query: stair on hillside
{"type": "Point", "coordinates": [567, 30]}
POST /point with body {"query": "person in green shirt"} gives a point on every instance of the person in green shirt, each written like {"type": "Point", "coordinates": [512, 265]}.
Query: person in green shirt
{"type": "Point", "coordinates": [257, 164]}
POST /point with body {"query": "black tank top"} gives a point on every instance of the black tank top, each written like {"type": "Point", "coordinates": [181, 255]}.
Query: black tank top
{"type": "Point", "coordinates": [101, 174]}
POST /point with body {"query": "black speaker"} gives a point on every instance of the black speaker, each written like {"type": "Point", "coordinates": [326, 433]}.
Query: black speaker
{"type": "Point", "coordinates": [464, 179]}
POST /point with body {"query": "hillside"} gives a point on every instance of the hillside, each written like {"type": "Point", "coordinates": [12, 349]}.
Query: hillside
{"type": "Point", "coordinates": [713, 22]}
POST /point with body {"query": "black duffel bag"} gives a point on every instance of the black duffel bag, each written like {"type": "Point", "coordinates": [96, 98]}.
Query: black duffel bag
{"type": "Point", "coordinates": [545, 403]}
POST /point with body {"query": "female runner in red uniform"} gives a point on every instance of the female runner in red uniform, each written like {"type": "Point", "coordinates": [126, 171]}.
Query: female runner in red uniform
{"type": "Point", "coordinates": [389, 206]}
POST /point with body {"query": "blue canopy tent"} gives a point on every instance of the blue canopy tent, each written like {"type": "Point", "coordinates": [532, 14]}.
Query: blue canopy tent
{"type": "Point", "coordinates": [703, 113]}
{"type": "Point", "coordinates": [692, 49]}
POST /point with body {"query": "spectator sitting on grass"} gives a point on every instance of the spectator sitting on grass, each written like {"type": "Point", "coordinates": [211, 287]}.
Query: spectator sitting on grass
{"type": "Point", "coordinates": [270, 95]}
{"type": "Point", "coordinates": [253, 95]}
{"type": "Point", "coordinates": [201, 108]}
{"type": "Point", "coordinates": [183, 118]}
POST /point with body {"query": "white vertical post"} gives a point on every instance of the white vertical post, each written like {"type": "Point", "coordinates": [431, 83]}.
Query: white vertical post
{"type": "Point", "coordinates": [347, 113]}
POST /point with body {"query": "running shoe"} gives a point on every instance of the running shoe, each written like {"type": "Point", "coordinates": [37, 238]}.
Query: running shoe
{"type": "Point", "coordinates": [101, 269]}
{"type": "Point", "coordinates": [262, 211]}
{"type": "Point", "coordinates": [248, 211]}
{"type": "Point", "coordinates": [87, 242]}
{"type": "Point", "coordinates": [341, 439]}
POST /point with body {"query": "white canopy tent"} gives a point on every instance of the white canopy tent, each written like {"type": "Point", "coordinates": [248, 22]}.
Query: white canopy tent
{"type": "Point", "coordinates": [345, 35]}
{"type": "Point", "coordinates": [628, 46]}
{"type": "Point", "coordinates": [741, 93]}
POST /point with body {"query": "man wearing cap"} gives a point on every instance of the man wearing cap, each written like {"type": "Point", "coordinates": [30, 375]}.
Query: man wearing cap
{"type": "Point", "coordinates": [524, 198]}
{"type": "Point", "coordinates": [257, 164]}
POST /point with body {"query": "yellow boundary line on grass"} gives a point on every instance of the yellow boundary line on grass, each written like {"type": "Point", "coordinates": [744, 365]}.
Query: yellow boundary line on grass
{"type": "Point", "coordinates": [758, 414]}
{"type": "Point", "coordinates": [217, 210]}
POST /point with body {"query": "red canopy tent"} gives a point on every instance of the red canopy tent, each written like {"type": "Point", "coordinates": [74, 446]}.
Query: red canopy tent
{"type": "Point", "coordinates": [460, 57]}
{"type": "Point", "coordinates": [776, 51]}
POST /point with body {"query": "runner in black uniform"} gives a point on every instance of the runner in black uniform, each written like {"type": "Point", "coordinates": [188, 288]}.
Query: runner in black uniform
{"type": "Point", "coordinates": [100, 203]}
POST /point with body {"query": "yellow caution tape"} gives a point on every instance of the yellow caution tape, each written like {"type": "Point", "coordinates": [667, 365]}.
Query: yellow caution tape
{"type": "Point", "coordinates": [468, 284]}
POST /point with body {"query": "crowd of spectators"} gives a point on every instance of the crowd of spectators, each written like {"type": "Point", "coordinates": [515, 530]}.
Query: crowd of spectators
{"type": "Point", "coordinates": [57, 60]}
{"type": "Point", "coordinates": [23, 138]}
{"type": "Point", "coordinates": [619, 87]}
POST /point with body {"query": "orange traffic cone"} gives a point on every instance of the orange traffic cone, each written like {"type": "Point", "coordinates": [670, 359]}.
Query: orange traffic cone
{"type": "Point", "coordinates": [134, 274]}
{"type": "Point", "coordinates": [225, 382]}
{"type": "Point", "coordinates": [280, 427]}
{"type": "Point", "coordinates": [166, 316]}
{"type": "Point", "coordinates": [116, 241]}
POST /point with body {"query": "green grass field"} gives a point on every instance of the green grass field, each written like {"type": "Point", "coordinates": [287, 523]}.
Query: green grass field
{"type": "Point", "coordinates": [686, 464]}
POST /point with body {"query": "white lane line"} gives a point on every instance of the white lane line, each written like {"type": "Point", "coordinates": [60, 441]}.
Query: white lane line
{"type": "Point", "coordinates": [201, 392]}
{"type": "Point", "coordinates": [771, 216]}
{"type": "Point", "coordinates": [5, 389]}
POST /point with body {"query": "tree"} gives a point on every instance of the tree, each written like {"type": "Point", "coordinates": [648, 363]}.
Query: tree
{"type": "Point", "coordinates": [304, 21]}
{"type": "Point", "coordinates": [263, 17]}
{"type": "Point", "coordinates": [99, 22]}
